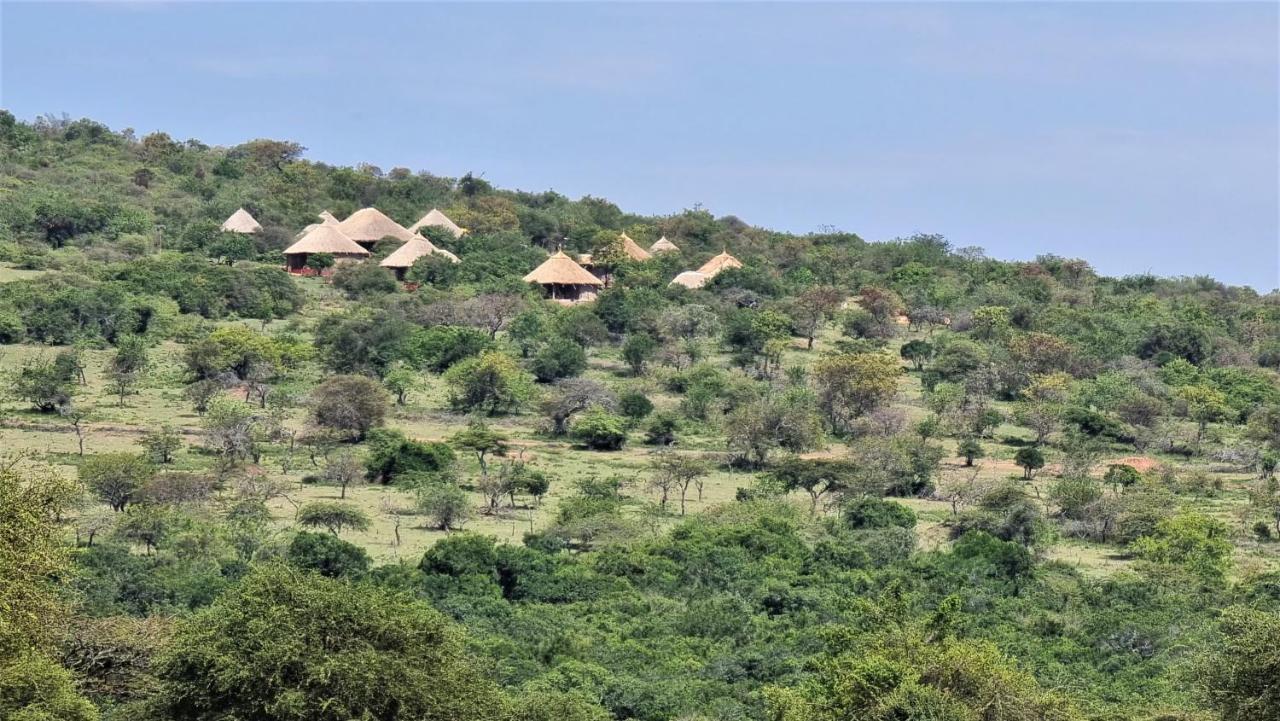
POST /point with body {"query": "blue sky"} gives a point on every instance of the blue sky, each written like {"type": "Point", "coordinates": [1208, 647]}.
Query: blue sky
{"type": "Point", "coordinates": [1141, 137]}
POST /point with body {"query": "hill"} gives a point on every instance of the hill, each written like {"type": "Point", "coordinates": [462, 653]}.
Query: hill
{"type": "Point", "coordinates": [892, 480]}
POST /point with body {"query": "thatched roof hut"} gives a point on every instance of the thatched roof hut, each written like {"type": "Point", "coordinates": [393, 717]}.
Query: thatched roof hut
{"type": "Point", "coordinates": [633, 249]}
{"type": "Point", "coordinates": [369, 225]}
{"type": "Point", "coordinates": [439, 220]}
{"type": "Point", "coordinates": [406, 255]}
{"type": "Point", "coordinates": [564, 280]}
{"type": "Point", "coordinates": [662, 245]}
{"type": "Point", "coordinates": [719, 263]}
{"type": "Point", "coordinates": [328, 218]}
{"type": "Point", "coordinates": [241, 222]}
{"type": "Point", "coordinates": [322, 239]}
{"type": "Point", "coordinates": [691, 279]}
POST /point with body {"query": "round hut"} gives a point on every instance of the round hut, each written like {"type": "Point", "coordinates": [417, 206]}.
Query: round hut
{"type": "Point", "coordinates": [321, 239]}
{"type": "Point", "coordinates": [369, 225]}
{"type": "Point", "coordinates": [439, 220]}
{"type": "Point", "coordinates": [241, 222]}
{"type": "Point", "coordinates": [662, 245]}
{"type": "Point", "coordinates": [403, 258]}
{"type": "Point", "coordinates": [563, 280]}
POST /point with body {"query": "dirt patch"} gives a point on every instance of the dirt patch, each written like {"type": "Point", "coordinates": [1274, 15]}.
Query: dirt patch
{"type": "Point", "coordinates": [1141, 463]}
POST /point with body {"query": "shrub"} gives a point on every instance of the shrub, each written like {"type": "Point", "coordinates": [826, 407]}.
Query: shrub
{"type": "Point", "coordinates": [599, 430]}
{"type": "Point", "coordinates": [635, 405]}
{"type": "Point", "coordinates": [354, 404]}
{"type": "Point", "coordinates": [327, 555]}
{"type": "Point", "coordinates": [491, 382]}
{"type": "Point", "coordinates": [558, 358]}
{"type": "Point", "coordinates": [878, 513]}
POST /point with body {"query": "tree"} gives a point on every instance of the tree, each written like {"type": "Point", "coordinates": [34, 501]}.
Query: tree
{"type": "Point", "coordinates": [853, 384]}
{"type": "Point", "coordinates": [662, 429]}
{"type": "Point", "coordinates": [1121, 476]}
{"type": "Point", "coordinates": [115, 477]}
{"type": "Point", "coordinates": [126, 367]}
{"type": "Point", "coordinates": [353, 404]}
{"type": "Point", "coordinates": [635, 405]}
{"type": "Point", "coordinates": [394, 457]}
{"type": "Point", "coordinates": [1030, 459]}
{"type": "Point", "coordinates": [43, 384]}
{"type": "Point", "coordinates": [333, 516]}
{"type": "Point", "coordinates": [482, 441]}
{"type": "Point", "coordinates": [400, 380]}
{"type": "Point", "coordinates": [445, 504]}
{"type": "Point", "coordinates": [231, 428]}
{"type": "Point", "coordinates": [558, 358]}
{"type": "Point", "coordinates": [572, 396]}
{"type": "Point", "coordinates": [491, 382]}
{"type": "Point", "coordinates": [599, 430]}
{"type": "Point", "coordinates": [786, 421]}
{"type": "Point", "coordinates": [918, 352]}
{"type": "Point", "coordinates": [327, 555]}
{"type": "Point", "coordinates": [970, 449]}
{"type": "Point", "coordinates": [337, 651]}
{"type": "Point", "coordinates": [1204, 405]}
{"type": "Point", "coordinates": [1236, 675]}
{"type": "Point", "coordinates": [637, 350]}
{"type": "Point", "coordinates": [161, 444]}
{"type": "Point", "coordinates": [493, 311]}
{"type": "Point", "coordinates": [813, 307]}
{"type": "Point", "coordinates": [201, 393]}
{"type": "Point", "coordinates": [35, 688]}
{"type": "Point", "coordinates": [675, 471]}
{"type": "Point", "coordinates": [343, 471]}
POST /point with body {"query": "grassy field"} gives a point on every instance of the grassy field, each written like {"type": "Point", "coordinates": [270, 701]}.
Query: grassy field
{"type": "Point", "coordinates": [118, 427]}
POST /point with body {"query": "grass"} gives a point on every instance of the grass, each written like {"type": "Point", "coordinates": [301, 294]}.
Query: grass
{"type": "Point", "coordinates": [118, 428]}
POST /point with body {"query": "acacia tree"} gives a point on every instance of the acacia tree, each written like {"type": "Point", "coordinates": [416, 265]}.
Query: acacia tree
{"type": "Point", "coordinates": [673, 471]}
{"type": "Point", "coordinates": [343, 471]}
{"type": "Point", "coordinates": [482, 441]}
{"type": "Point", "coordinates": [572, 396]}
{"type": "Point", "coordinates": [333, 516]}
{"type": "Point", "coordinates": [351, 404]}
{"type": "Point", "coordinates": [126, 367]}
{"type": "Point", "coordinates": [115, 477]}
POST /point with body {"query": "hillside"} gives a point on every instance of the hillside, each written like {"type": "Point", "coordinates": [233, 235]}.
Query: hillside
{"type": "Point", "coordinates": [891, 480]}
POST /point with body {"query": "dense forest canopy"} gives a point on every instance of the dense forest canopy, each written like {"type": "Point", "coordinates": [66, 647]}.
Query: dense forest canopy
{"type": "Point", "coordinates": [846, 480]}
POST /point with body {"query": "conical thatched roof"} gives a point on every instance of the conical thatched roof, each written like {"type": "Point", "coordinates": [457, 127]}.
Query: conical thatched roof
{"type": "Point", "coordinates": [719, 263]}
{"type": "Point", "coordinates": [326, 239]}
{"type": "Point", "coordinates": [241, 222]}
{"type": "Point", "coordinates": [560, 269]}
{"type": "Point", "coordinates": [407, 254]}
{"type": "Point", "coordinates": [691, 279]}
{"type": "Point", "coordinates": [328, 218]}
{"type": "Point", "coordinates": [662, 245]}
{"type": "Point", "coordinates": [633, 249]}
{"type": "Point", "coordinates": [438, 219]}
{"type": "Point", "coordinates": [369, 224]}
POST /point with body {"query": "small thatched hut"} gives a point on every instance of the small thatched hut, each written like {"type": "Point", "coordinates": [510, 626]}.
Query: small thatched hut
{"type": "Point", "coordinates": [563, 280]}
{"type": "Point", "coordinates": [368, 225]}
{"type": "Point", "coordinates": [328, 218]}
{"type": "Point", "coordinates": [406, 255]}
{"type": "Point", "coordinates": [439, 220]}
{"type": "Point", "coordinates": [633, 249]}
{"type": "Point", "coordinates": [719, 263]}
{"type": "Point", "coordinates": [691, 279]}
{"type": "Point", "coordinates": [241, 222]}
{"type": "Point", "coordinates": [322, 239]}
{"type": "Point", "coordinates": [662, 245]}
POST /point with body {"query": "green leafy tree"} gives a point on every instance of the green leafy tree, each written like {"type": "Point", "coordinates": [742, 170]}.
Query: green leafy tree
{"type": "Point", "coordinates": [350, 404]}
{"type": "Point", "coordinates": [558, 358]}
{"type": "Point", "coordinates": [1030, 459]}
{"type": "Point", "coordinates": [445, 504]}
{"type": "Point", "coordinates": [918, 352]}
{"type": "Point", "coordinates": [1236, 675]}
{"type": "Point", "coordinates": [115, 477]}
{"type": "Point", "coordinates": [283, 646]}
{"type": "Point", "coordinates": [970, 449]}
{"type": "Point", "coordinates": [599, 430]}
{"type": "Point", "coordinates": [492, 383]}
{"type": "Point", "coordinates": [333, 517]}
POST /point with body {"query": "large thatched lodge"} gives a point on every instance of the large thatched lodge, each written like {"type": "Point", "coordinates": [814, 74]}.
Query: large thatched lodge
{"type": "Point", "coordinates": [562, 278]}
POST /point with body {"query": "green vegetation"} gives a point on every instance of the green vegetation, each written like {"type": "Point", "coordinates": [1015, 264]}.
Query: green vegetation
{"type": "Point", "coordinates": [848, 480]}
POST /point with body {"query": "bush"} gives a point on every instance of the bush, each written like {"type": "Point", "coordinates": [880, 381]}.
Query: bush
{"type": "Point", "coordinates": [492, 382]}
{"type": "Point", "coordinates": [599, 430]}
{"type": "Point", "coordinates": [445, 504]}
{"type": "Point", "coordinates": [558, 358]}
{"type": "Point", "coordinates": [662, 429]}
{"type": "Point", "coordinates": [440, 347]}
{"type": "Point", "coordinates": [327, 555]}
{"type": "Point", "coordinates": [635, 405]}
{"type": "Point", "coordinates": [354, 404]}
{"type": "Point", "coordinates": [878, 513]}
{"type": "Point", "coordinates": [394, 456]}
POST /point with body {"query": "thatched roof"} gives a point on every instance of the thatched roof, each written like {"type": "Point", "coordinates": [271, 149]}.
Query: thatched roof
{"type": "Point", "coordinates": [633, 249]}
{"type": "Point", "coordinates": [662, 245]}
{"type": "Point", "coordinates": [325, 239]}
{"type": "Point", "coordinates": [560, 269]}
{"type": "Point", "coordinates": [241, 222]}
{"type": "Point", "coordinates": [328, 218]}
{"type": "Point", "coordinates": [691, 279]}
{"type": "Point", "coordinates": [719, 263]}
{"type": "Point", "coordinates": [369, 224]}
{"type": "Point", "coordinates": [438, 219]}
{"type": "Point", "coordinates": [407, 254]}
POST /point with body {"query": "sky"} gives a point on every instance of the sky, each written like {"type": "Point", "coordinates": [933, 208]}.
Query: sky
{"type": "Point", "coordinates": [1141, 137]}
